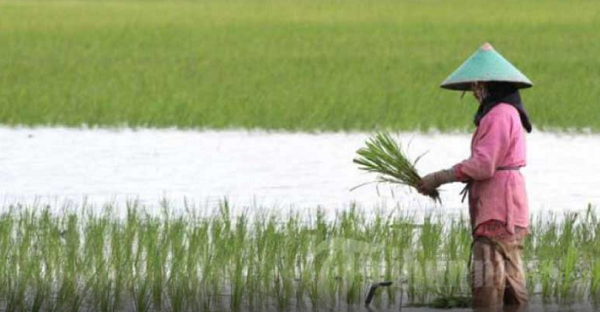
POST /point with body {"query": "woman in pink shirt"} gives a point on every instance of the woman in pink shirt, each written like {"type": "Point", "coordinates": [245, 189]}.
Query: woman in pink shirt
{"type": "Point", "coordinates": [497, 197]}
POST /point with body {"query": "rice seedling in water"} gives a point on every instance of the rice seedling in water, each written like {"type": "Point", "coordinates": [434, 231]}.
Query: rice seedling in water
{"type": "Point", "coordinates": [384, 156]}
{"type": "Point", "coordinates": [221, 261]}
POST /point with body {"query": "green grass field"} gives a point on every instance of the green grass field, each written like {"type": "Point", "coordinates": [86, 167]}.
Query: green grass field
{"type": "Point", "coordinates": [283, 64]}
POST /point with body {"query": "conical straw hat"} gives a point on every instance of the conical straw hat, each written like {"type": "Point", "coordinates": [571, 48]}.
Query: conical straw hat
{"type": "Point", "coordinates": [486, 64]}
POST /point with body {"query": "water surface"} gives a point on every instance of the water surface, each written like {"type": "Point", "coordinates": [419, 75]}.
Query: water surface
{"type": "Point", "coordinates": [262, 168]}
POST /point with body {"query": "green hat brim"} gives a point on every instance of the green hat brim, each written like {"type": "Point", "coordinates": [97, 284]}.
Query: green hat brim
{"type": "Point", "coordinates": [466, 85]}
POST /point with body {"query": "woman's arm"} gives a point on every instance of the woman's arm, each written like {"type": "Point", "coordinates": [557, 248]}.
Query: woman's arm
{"type": "Point", "coordinates": [490, 146]}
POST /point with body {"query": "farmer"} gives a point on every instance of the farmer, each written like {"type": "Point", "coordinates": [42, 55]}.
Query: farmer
{"type": "Point", "coordinates": [496, 189]}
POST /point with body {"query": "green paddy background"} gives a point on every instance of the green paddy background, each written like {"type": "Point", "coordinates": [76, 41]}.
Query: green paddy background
{"type": "Point", "coordinates": [302, 65]}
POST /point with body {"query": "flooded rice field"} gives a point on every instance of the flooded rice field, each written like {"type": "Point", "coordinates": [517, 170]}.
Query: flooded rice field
{"type": "Point", "coordinates": [264, 168]}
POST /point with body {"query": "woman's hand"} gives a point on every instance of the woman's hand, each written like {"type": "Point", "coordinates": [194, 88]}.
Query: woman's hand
{"type": "Point", "coordinates": [432, 181]}
{"type": "Point", "coordinates": [428, 184]}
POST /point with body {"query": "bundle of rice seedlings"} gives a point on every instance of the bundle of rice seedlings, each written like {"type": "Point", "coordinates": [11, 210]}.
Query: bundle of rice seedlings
{"type": "Point", "coordinates": [384, 156]}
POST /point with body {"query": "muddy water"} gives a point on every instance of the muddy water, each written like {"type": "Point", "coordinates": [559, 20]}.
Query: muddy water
{"type": "Point", "coordinates": [264, 169]}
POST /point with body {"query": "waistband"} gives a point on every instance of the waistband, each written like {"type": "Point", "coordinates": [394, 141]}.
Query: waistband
{"type": "Point", "coordinates": [465, 191]}
{"type": "Point", "coordinates": [509, 168]}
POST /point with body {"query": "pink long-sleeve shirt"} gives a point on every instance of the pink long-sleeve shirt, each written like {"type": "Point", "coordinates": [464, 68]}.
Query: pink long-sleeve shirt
{"type": "Point", "coordinates": [499, 195]}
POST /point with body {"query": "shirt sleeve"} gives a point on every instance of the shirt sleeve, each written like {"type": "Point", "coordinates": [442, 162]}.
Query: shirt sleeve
{"type": "Point", "coordinates": [459, 174]}
{"type": "Point", "coordinates": [490, 146]}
